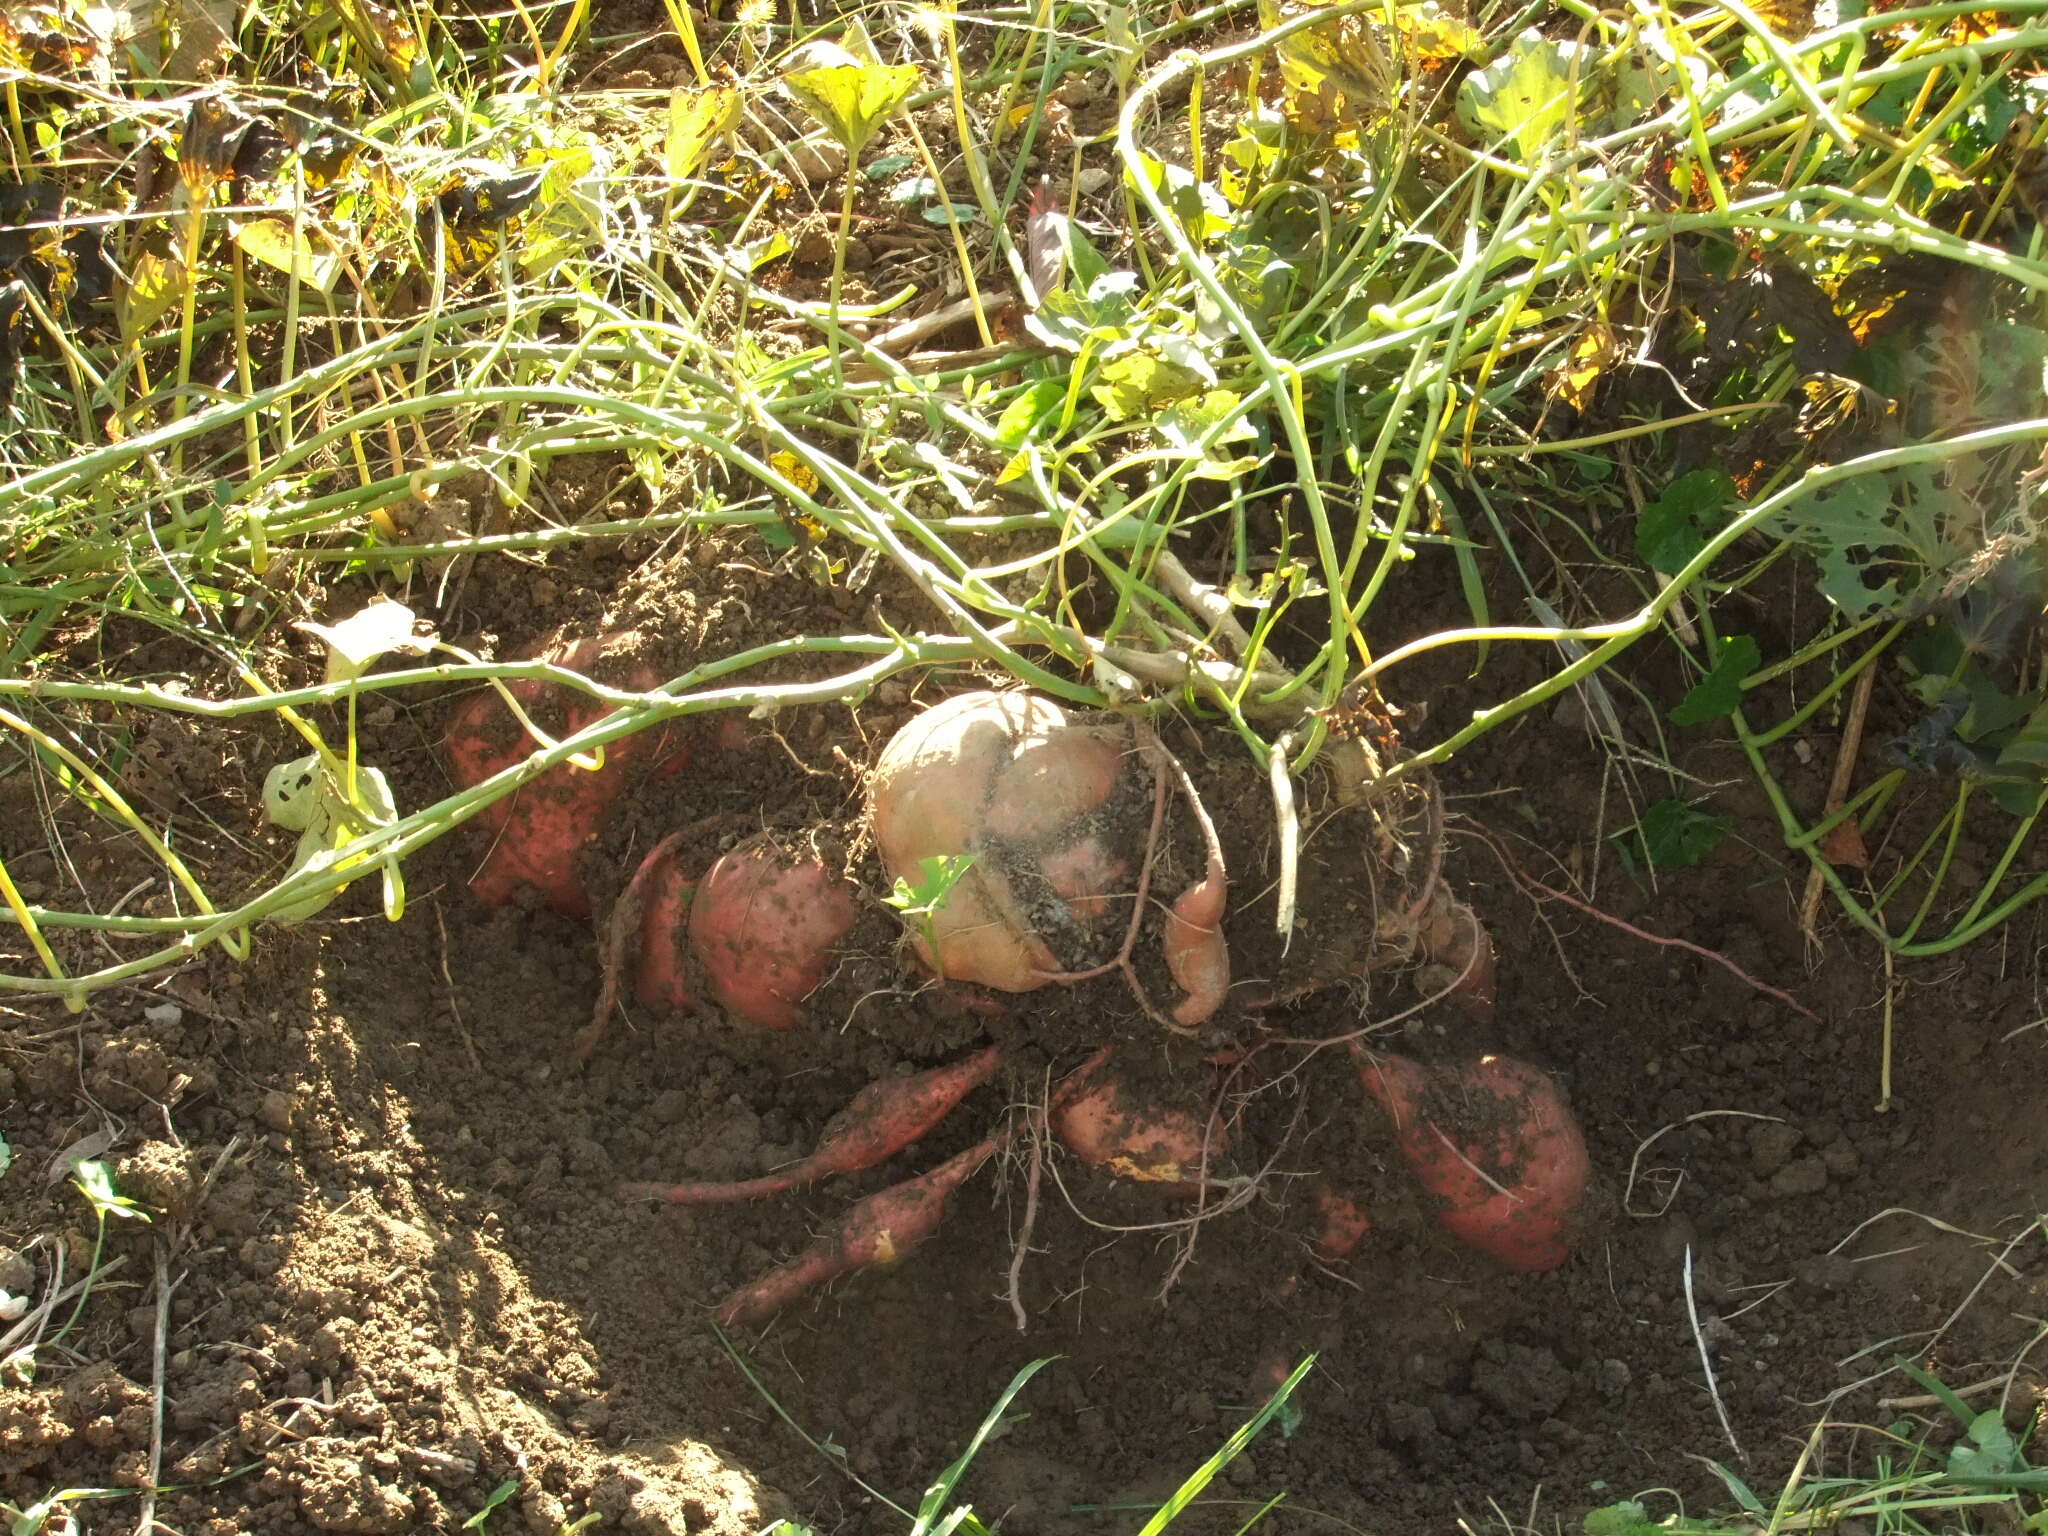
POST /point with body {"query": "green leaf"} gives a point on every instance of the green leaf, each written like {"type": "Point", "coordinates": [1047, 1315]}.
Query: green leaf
{"type": "Point", "coordinates": [6, 1157]}
{"type": "Point", "coordinates": [1023, 416]}
{"type": "Point", "coordinates": [1990, 1451]}
{"type": "Point", "coordinates": [952, 213]}
{"type": "Point", "coordinates": [1736, 1486]}
{"type": "Point", "coordinates": [95, 1181]}
{"type": "Point", "coordinates": [1139, 382]}
{"type": "Point", "coordinates": [940, 1493]}
{"type": "Point", "coordinates": [1676, 526]}
{"type": "Point", "coordinates": [1525, 96]}
{"type": "Point", "coordinates": [498, 1496]}
{"type": "Point", "coordinates": [1672, 834]}
{"type": "Point", "coordinates": [1185, 427]}
{"type": "Point", "coordinates": [1628, 1518]}
{"type": "Point", "coordinates": [380, 628]}
{"type": "Point", "coordinates": [852, 101]}
{"type": "Point", "coordinates": [1870, 534]}
{"type": "Point", "coordinates": [888, 165]}
{"type": "Point", "coordinates": [697, 120]}
{"type": "Point", "coordinates": [1715, 696]}
{"type": "Point", "coordinates": [1203, 211]}
{"type": "Point", "coordinates": [915, 189]}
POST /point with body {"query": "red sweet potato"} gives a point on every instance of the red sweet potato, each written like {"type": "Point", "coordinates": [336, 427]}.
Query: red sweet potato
{"type": "Point", "coordinates": [879, 1230]}
{"type": "Point", "coordinates": [1342, 1223]}
{"type": "Point", "coordinates": [1495, 1144]}
{"type": "Point", "coordinates": [762, 924]}
{"type": "Point", "coordinates": [538, 832]}
{"type": "Point", "coordinates": [1197, 955]}
{"type": "Point", "coordinates": [1107, 1126]}
{"type": "Point", "coordinates": [880, 1121]}
{"type": "Point", "coordinates": [661, 979]}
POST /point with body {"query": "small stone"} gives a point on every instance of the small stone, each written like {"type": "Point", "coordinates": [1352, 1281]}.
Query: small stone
{"type": "Point", "coordinates": [275, 1110]}
{"type": "Point", "coordinates": [1770, 1147]}
{"type": "Point", "coordinates": [163, 1015]}
{"type": "Point", "coordinates": [1805, 1176]}
{"type": "Point", "coordinates": [1092, 180]}
{"type": "Point", "coordinates": [818, 159]}
{"type": "Point", "coordinates": [1827, 1272]}
{"type": "Point", "coordinates": [17, 1273]}
{"type": "Point", "coordinates": [813, 248]}
{"type": "Point", "coordinates": [1076, 91]}
{"type": "Point", "coordinates": [1842, 1158]}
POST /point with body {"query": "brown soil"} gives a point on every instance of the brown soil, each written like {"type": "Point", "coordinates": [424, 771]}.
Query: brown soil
{"type": "Point", "coordinates": [391, 1270]}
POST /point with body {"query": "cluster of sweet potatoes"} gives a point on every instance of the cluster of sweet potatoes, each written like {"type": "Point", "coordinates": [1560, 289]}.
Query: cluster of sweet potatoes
{"type": "Point", "coordinates": [1049, 829]}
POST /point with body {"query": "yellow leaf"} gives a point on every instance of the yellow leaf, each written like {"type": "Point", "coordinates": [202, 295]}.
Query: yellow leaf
{"type": "Point", "coordinates": [1020, 115]}
{"type": "Point", "coordinates": [274, 243]}
{"type": "Point", "coordinates": [697, 121]}
{"type": "Point", "coordinates": [853, 100]}
{"type": "Point", "coordinates": [795, 471]}
{"type": "Point", "coordinates": [154, 285]}
{"type": "Point", "coordinates": [1791, 19]}
{"type": "Point", "coordinates": [1435, 37]}
{"type": "Point", "coordinates": [1592, 355]}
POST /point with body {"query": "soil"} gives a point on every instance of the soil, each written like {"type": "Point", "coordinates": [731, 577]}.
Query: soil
{"type": "Point", "coordinates": [387, 1270]}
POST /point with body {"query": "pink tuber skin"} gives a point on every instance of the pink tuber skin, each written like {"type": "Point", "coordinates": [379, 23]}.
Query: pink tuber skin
{"type": "Point", "coordinates": [1104, 1126]}
{"type": "Point", "coordinates": [1197, 955]}
{"type": "Point", "coordinates": [763, 923]}
{"type": "Point", "coordinates": [1460, 953]}
{"type": "Point", "coordinates": [1007, 765]}
{"type": "Point", "coordinates": [1344, 1223]}
{"type": "Point", "coordinates": [539, 831]}
{"type": "Point", "coordinates": [1056, 890]}
{"type": "Point", "coordinates": [1512, 1179]}
{"type": "Point", "coordinates": [880, 1121]}
{"type": "Point", "coordinates": [879, 1230]}
{"type": "Point", "coordinates": [661, 981]}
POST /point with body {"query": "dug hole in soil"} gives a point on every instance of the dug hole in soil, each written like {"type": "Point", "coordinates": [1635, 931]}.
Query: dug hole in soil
{"type": "Point", "coordinates": [387, 1196]}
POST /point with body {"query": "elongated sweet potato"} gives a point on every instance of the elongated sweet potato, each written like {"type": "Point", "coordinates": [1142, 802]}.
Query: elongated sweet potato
{"type": "Point", "coordinates": [880, 1121]}
{"type": "Point", "coordinates": [879, 1230]}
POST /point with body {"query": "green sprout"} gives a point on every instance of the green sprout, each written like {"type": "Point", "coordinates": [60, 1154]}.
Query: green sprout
{"type": "Point", "coordinates": [920, 902]}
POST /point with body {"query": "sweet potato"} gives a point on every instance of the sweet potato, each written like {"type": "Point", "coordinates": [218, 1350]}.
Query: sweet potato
{"type": "Point", "coordinates": [880, 1121]}
{"type": "Point", "coordinates": [762, 924]}
{"type": "Point", "coordinates": [538, 832]}
{"type": "Point", "coordinates": [1106, 1125]}
{"type": "Point", "coordinates": [661, 980]}
{"type": "Point", "coordinates": [879, 1230]}
{"type": "Point", "coordinates": [1197, 955]}
{"type": "Point", "coordinates": [1341, 1223]}
{"type": "Point", "coordinates": [1494, 1143]}
{"type": "Point", "coordinates": [1007, 779]}
{"type": "Point", "coordinates": [1459, 953]}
